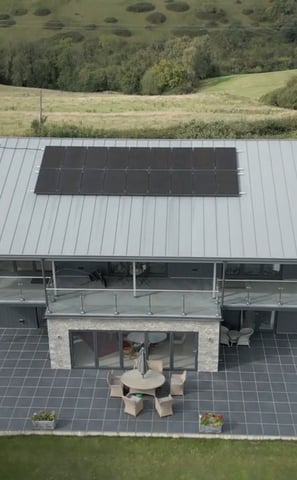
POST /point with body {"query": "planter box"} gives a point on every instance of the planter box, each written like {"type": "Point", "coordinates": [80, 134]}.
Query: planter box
{"type": "Point", "coordinates": [44, 424]}
{"type": "Point", "coordinates": [209, 428]}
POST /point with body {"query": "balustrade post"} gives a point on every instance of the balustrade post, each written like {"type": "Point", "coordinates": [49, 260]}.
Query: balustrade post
{"type": "Point", "coordinates": [183, 304]}
{"type": "Point", "coordinates": [82, 309]}
{"type": "Point", "coordinates": [280, 300]}
{"type": "Point", "coordinates": [248, 297]}
{"type": "Point", "coordinates": [150, 305]}
{"type": "Point", "coordinates": [20, 285]}
{"type": "Point", "coordinates": [115, 297]}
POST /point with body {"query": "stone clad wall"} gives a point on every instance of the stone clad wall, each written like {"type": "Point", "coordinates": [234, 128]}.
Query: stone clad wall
{"type": "Point", "coordinates": [208, 335]}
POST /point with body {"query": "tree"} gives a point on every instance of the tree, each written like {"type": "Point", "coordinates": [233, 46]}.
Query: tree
{"type": "Point", "coordinates": [163, 77]}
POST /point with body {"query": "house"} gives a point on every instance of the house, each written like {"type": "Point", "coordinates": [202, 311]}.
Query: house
{"type": "Point", "coordinates": [119, 243]}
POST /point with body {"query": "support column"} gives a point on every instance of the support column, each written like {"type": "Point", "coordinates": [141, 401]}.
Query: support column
{"type": "Point", "coordinates": [214, 280]}
{"type": "Point", "coordinates": [44, 284]}
{"type": "Point", "coordinates": [134, 278]}
{"type": "Point", "coordinates": [54, 278]}
{"type": "Point", "coordinates": [208, 348]}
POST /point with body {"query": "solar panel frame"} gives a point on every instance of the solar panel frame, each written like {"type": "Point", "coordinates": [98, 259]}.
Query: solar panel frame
{"type": "Point", "coordinates": [72, 170]}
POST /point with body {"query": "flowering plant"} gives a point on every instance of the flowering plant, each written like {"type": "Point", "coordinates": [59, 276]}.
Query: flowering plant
{"type": "Point", "coordinates": [209, 418]}
{"type": "Point", "coordinates": [44, 415]}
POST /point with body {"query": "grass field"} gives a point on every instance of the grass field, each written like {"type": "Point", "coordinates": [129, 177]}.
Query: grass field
{"type": "Point", "coordinates": [104, 458]}
{"type": "Point", "coordinates": [233, 98]}
{"type": "Point", "coordinates": [76, 14]}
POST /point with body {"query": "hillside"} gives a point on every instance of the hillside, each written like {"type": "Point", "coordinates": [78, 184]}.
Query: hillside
{"type": "Point", "coordinates": [27, 20]}
{"type": "Point", "coordinates": [226, 99]}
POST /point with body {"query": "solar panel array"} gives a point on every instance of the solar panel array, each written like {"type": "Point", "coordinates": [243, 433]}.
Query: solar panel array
{"type": "Point", "coordinates": [138, 171]}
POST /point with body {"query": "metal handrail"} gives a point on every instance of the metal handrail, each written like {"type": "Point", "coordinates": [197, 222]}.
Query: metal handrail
{"type": "Point", "coordinates": [111, 290]}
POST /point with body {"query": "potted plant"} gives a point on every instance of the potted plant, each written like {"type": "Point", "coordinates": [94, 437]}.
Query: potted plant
{"type": "Point", "coordinates": [211, 422]}
{"type": "Point", "coordinates": [44, 419]}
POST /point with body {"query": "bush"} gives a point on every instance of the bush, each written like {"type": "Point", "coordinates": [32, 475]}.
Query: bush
{"type": "Point", "coordinates": [42, 11]}
{"type": "Point", "coordinates": [189, 31]}
{"type": "Point", "coordinates": [110, 20]}
{"type": "Point", "coordinates": [178, 6]}
{"type": "Point", "coordinates": [211, 13]}
{"type": "Point", "coordinates": [122, 32]}
{"type": "Point", "coordinates": [7, 22]}
{"type": "Point", "coordinates": [54, 25]}
{"type": "Point", "coordinates": [74, 36]}
{"type": "Point", "coordinates": [44, 415]}
{"type": "Point", "coordinates": [156, 18]}
{"type": "Point", "coordinates": [247, 11]}
{"type": "Point", "coordinates": [141, 7]}
{"type": "Point", "coordinates": [4, 16]}
{"type": "Point", "coordinates": [19, 11]}
{"type": "Point", "coordinates": [285, 97]}
{"type": "Point", "coordinates": [90, 26]}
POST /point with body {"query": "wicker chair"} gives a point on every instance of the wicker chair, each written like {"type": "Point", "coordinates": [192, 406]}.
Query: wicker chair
{"type": "Point", "coordinates": [133, 404]}
{"type": "Point", "coordinates": [164, 406]}
{"type": "Point", "coordinates": [177, 383]}
{"type": "Point", "coordinates": [156, 365]}
{"type": "Point", "coordinates": [115, 385]}
{"type": "Point", "coordinates": [245, 335]}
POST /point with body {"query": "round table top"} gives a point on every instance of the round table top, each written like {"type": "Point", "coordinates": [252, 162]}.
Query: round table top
{"type": "Point", "coordinates": [134, 379]}
{"type": "Point", "coordinates": [153, 337]}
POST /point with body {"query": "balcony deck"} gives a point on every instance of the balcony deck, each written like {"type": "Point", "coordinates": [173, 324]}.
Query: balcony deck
{"type": "Point", "coordinates": [174, 297]}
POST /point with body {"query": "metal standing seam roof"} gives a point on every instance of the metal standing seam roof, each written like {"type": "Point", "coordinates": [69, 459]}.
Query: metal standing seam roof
{"type": "Point", "coordinates": [260, 224]}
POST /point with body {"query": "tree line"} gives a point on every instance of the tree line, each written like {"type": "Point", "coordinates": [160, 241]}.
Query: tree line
{"type": "Point", "coordinates": [71, 62]}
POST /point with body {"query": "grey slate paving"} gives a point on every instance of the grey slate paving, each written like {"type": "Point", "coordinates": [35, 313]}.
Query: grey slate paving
{"type": "Point", "coordinates": [255, 389]}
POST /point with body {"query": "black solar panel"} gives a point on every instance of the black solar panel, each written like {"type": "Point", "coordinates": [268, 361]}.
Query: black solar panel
{"type": "Point", "coordinates": [92, 182]}
{"type": "Point", "coordinates": [203, 158]}
{"type": "Point", "coordinates": [70, 181]}
{"type": "Point", "coordinates": [204, 183]}
{"type": "Point", "coordinates": [225, 158]}
{"type": "Point", "coordinates": [137, 182]}
{"type": "Point", "coordinates": [114, 182]}
{"type": "Point", "coordinates": [159, 181]}
{"type": "Point", "coordinates": [53, 157]}
{"type": "Point", "coordinates": [96, 157]}
{"type": "Point", "coordinates": [48, 181]}
{"type": "Point", "coordinates": [75, 157]}
{"type": "Point", "coordinates": [138, 171]}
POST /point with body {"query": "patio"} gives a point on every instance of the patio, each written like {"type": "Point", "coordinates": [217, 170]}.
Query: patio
{"type": "Point", "coordinates": [255, 389]}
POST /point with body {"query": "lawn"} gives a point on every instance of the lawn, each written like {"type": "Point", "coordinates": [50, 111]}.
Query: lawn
{"type": "Point", "coordinates": [88, 458]}
{"type": "Point", "coordinates": [229, 99]}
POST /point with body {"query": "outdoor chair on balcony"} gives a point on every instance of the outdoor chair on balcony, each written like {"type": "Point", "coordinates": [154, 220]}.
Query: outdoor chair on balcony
{"type": "Point", "coordinates": [177, 383]}
{"type": "Point", "coordinates": [224, 338]}
{"type": "Point", "coordinates": [115, 385]}
{"type": "Point", "coordinates": [156, 365]}
{"type": "Point", "coordinates": [133, 404]}
{"type": "Point", "coordinates": [164, 406]}
{"type": "Point", "coordinates": [245, 335]}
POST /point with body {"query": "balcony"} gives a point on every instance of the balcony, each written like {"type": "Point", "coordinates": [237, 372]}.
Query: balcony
{"type": "Point", "coordinates": [126, 302]}
{"type": "Point", "coordinates": [274, 294]}
{"type": "Point", "coordinates": [22, 289]}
